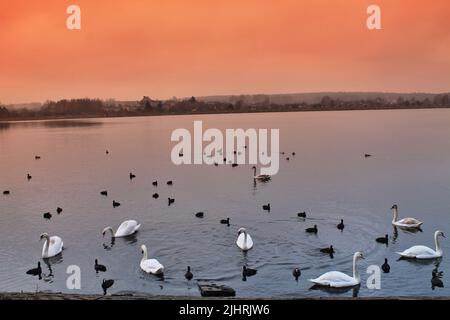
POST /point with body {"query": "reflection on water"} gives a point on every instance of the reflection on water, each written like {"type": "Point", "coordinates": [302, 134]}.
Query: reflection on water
{"type": "Point", "coordinates": [329, 179]}
{"type": "Point", "coordinates": [338, 291]}
{"type": "Point", "coordinates": [4, 125]}
{"type": "Point", "coordinates": [50, 124]}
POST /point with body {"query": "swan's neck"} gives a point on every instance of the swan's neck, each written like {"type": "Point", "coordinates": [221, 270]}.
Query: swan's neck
{"type": "Point", "coordinates": [144, 255]}
{"type": "Point", "coordinates": [110, 229]}
{"type": "Point", "coordinates": [355, 270]}
{"type": "Point", "coordinates": [436, 241]}
{"type": "Point", "coordinates": [394, 219]}
{"type": "Point", "coordinates": [46, 245]}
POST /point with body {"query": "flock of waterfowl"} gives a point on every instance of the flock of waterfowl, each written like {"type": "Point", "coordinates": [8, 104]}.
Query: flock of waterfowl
{"type": "Point", "coordinates": [53, 245]}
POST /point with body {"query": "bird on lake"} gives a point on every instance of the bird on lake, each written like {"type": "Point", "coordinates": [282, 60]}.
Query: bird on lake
{"type": "Point", "coordinates": [47, 215]}
{"type": "Point", "coordinates": [386, 267]}
{"type": "Point", "coordinates": [6, 192]}
{"type": "Point", "coordinates": [266, 207]}
{"type": "Point", "coordinates": [126, 228]}
{"type": "Point", "coordinates": [36, 271]}
{"type": "Point", "coordinates": [296, 273]}
{"type": "Point", "coordinates": [367, 155]}
{"type": "Point", "coordinates": [188, 275]}
{"type": "Point", "coordinates": [337, 279]}
{"type": "Point", "coordinates": [312, 230]}
{"type": "Point", "coordinates": [225, 221]}
{"type": "Point", "coordinates": [287, 158]}
{"type": "Point", "coordinates": [301, 214]}
{"type": "Point", "coordinates": [405, 222]}
{"type": "Point", "coordinates": [99, 267]}
{"type": "Point", "coordinates": [107, 152]}
{"type": "Point", "coordinates": [234, 165]}
{"type": "Point", "coordinates": [29, 177]}
{"type": "Point", "coordinates": [52, 246]}
{"type": "Point", "coordinates": [59, 210]}
{"type": "Point", "coordinates": [37, 157]}
{"type": "Point", "coordinates": [106, 284]}
{"type": "Point", "coordinates": [155, 183]}
{"type": "Point", "coordinates": [170, 201]}
{"type": "Point", "coordinates": [293, 153]}
{"type": "Point", "coordinates": [340, 226]}
{"type": "Point", "coordinates": [423, 252]}
{"type": "Point", "coordinates": [104, 193]}
{"type": "Point", "coordinates": [244, 240]}
{"type": "Point", "coordinates": [248, 272]}
{"type": "Point", "coordinates": [151, 266]}
{"type": "Point", "coordinates": [170, 183]}
{"type": "Point", "coordinates": [329, 250]}
{"type": "Point", "coordinates": [132, 176]}
{"type": "Point", "coordinates": [260, 177]}
{"type": "Point", "coordinates": [199, 214]}
{"type": "Point", "coordinates": [155, 196]}
{"type": "Point", "coordinates": [384, 239]}
{"type": "Point", "coordinates": [116, 204]}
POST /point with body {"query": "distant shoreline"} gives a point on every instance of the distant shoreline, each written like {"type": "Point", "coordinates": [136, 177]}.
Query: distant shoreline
{"type": "Point", "coordinates": [153, 114]}
{"type": "Point", "coordinates": [91, 297]}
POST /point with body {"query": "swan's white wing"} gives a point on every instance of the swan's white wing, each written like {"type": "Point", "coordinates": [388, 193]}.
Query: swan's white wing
{"type": "Point", "coordinates": [335, 279]}
{"type": "Point", "coordinates": [126, 228]}
{"type": "Point", "coordinates": [409, 221]}
{"type": "Point", "coordinates": [55, 247]}
{"type": "Point", "coordinates": [420, 252]}
{"type": "Point", "coordinates": [244, 245]}
{"type": "Point", "coordinates": [152, 266]}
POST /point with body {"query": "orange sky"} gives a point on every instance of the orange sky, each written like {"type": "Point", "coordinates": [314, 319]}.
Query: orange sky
{"type": "Point", "coordinates": [164, 48]}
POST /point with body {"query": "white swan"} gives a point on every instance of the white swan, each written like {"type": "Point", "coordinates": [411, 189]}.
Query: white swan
{"type": "Point", "coordinates": [126, 228]}
{"type": "Point", "coordinates": [336, 279]}
{"type": "Point", "coordinates": [150, 265]}
{"type": "Point", "coordinates": [423, 252]}
{"type": "Point", "coordinates": [244, 240]}
{"type": "Point", "coordinates": [52, 246]}
{"type": "Point", "coordinates": [405, 222]}
{"type": "Point", "coordinates": [260, 177]}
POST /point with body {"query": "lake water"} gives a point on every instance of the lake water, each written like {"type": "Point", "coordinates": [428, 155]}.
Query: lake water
{"type": "Point", "coordinates": [329, 178]}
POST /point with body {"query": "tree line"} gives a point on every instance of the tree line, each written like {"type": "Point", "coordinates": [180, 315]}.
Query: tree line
{"type": "Point", "coordinates": [146, 106]}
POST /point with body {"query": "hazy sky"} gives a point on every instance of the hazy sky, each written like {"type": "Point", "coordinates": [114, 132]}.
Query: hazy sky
{"type": "Point", "coordinates": [164, 48]}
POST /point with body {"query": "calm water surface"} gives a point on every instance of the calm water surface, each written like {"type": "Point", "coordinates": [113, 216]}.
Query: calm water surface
{"type": "Point", "coordinates": [329, 178]}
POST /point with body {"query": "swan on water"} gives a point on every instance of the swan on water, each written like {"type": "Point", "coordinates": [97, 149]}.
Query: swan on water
{"type": "Point", "coordinates": [336, 279]}
{"type": "Point", "coordinates": [405, 222]}
{"type": "Point", "coordinates": [52, 246]}
{"type": "Point", "coordinates": [126, 228]}
{"type": "Point", "coordinates": [244, 240]}
{"type": "Point", "coordinates": [260, 177]}
{"type": "Point", "coordinates": [150, 265]}
{"type": "Point", "coordinates": [423, 252]}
